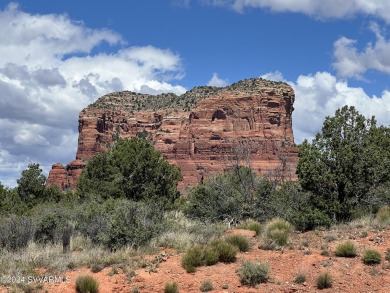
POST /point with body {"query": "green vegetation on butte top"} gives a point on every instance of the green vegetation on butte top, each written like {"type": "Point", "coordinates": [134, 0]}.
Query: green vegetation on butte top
{"type": "Point", "coordinates": [131, 101]}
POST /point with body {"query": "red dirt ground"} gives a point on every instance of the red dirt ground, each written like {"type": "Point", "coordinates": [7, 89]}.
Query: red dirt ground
{"type": "Point", "coordinates": [349, 274]}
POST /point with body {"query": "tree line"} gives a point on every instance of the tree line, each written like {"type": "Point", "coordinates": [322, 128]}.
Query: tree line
{"type": "Point", "coordinates": [124, 192]}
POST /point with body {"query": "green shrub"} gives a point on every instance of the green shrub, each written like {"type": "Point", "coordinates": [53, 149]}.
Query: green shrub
{"type": "Point", "coordinates": [239, 241]}
{"type": "Point", "coordinates": [16, 232]}
{"type": "Point", "coordinates": [31, 184]}
{"type": "Point", "coordinates": [372, 257]}
{"type": "Point", "coordinates": [252, 226]}
{"type": "Point", "coordinates": [277, 230]}
{"type": "Point", "coordinates": [171, 287]}
{"type": "Point", "coordinates": [51, 219]}
{"type": "Point", "coordinates": [279, 236]}
{"type": "Point", "coordinates": [346, 249]}
{"type": "Point", "coordinates": [223, 196]}
{"type": "Point", "coordinates": [378, 196]}
{"type": "Point", "coordinates": [300, 278]}
{"type": "Point", "coordinates": [227, 252]}
{"type": "Point", "coordinates": [116, 223]}
{"type": "Point", "coordinates": [210, 256]}
{"type": "Point", "coordinates": [324, 281]}
{"type": "Point", "coordinates": [192, 259]}
{"type": "Point", "coordinates": [86, 284]}
{"type": "Point", "coordinates": [253, 273]}
{"type": "Point", "coordinates": [206, 286]}
{"type": "Point", "coordinates": [131, 169]}
{"type": "Point", "coordinates": [217, 250]}
{"type": "Point", "coordinates": [308, 220]}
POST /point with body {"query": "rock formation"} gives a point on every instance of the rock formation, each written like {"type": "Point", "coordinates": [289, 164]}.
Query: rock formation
{"type": "Point", "coordinates": [65, 177]}
{"type": "Point", "coordinates": [203, 131]}
{"type": "Point", "coordinates": [58, 176]}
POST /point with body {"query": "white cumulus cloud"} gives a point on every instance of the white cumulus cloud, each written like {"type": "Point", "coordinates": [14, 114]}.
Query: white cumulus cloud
{"type": "Point", "coordinates": [274, 76]}
{"type": "Point", "coordinates": [320, 94]}
{"type": "Point", "coordinates": [350, 62]}
{"type": "Point", "coordinates": [322, 9]}
{"type": "Point", "coordinates": [216, 81]}
{"type": "Point", "coordinates": [48, 74]}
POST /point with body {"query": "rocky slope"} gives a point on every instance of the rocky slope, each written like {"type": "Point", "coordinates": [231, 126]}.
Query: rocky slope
{"type": "Point", "coordinates": [203, 131]}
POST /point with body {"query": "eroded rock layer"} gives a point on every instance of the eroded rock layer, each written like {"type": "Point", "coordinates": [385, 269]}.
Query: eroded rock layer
{"type": "Point", "coordinates": [203, 131]}
{"type": "Point", "coordinates": [65, 177]}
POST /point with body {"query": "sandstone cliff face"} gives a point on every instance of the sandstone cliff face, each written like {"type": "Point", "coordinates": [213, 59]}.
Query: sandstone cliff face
{"type": "Point", "coordinates": [65, 177]}
{"type": "Point", "coordinates": [204, 131]}
{"type": "Point", "coordinates": [58, 176]}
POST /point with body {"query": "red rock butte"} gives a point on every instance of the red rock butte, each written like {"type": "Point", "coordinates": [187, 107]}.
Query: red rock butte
{"type": "Point", "coordinates": [204, 131]}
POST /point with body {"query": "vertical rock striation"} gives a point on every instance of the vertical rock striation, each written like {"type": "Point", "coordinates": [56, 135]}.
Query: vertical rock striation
{"type": "Point", "coordinates": [204, 131]}
{"type": "Point", "coordinates": [65, 177]}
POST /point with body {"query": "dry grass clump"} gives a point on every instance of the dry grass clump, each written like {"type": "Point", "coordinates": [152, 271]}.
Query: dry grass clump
{"type": "Point", "coordinates": [239, 241]}
{"type": "Point", "coordinates": [324, 281]}
{"type": "Point", "coordinates": [182, 233]}
{"type": "Point", "coordinates": [300, 278]}
{"type": "Point", "coordinates": [367, 222]}
{"type": "Point", "coordinates": [51, 256]}
{"type": "Point", "coordinates": [87, 284]}
{"type": "Point", "coordinates": [192, 259]}
{"type": "Point", "coordinates": [383, 215]}
{"type": "Point", "coordinates": [217, 251]}
{"type": "Point", "coordinates": [330, 237]}
{"type": "Point", "coordinates": [346, 249]}
{"type": "Point", "coordinates": [97, 267]}
{"type": "Point", "coordinates": [206, 286]}
{"type": "Point", "coordinates": [276, 234]}
{"type": "Point", "coordinates": [226, 251]}
{"type": "Point", "coordinates": [372, 257]}
{"type": "Point", "coordinates": [252, 226]}
{"type": "Point", "coordinates": [252, 273]}
{"type": "Point", "coordinates": [171, 287]}
{"type": "Point", "coordinates": [210, 256]}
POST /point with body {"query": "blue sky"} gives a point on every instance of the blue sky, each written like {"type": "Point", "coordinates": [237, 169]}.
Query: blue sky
{"type": "Point", "coordinates": [56, 57]}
